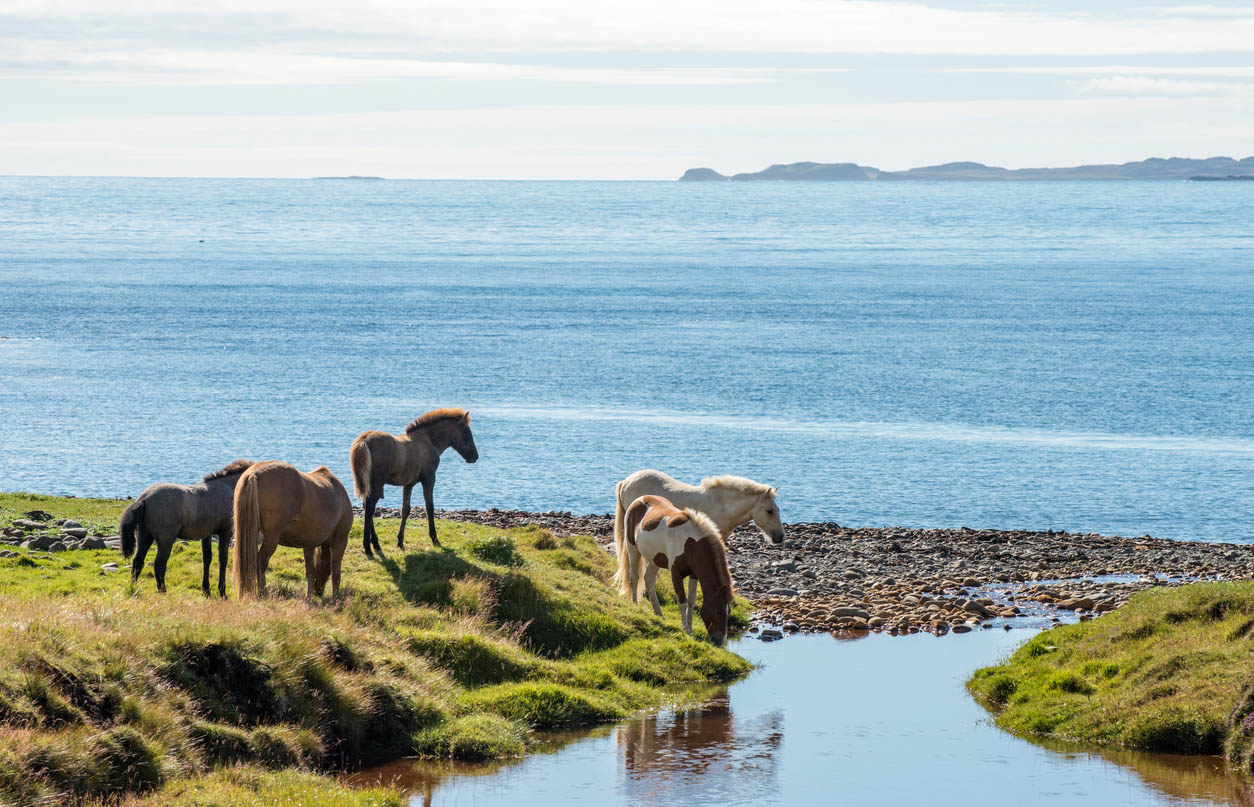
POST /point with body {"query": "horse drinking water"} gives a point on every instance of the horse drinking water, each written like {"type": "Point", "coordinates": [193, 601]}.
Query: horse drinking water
{"type": "Point", "coordinates": [277, 504]}
{"type": "Point", "coordinates": [165, 512]}
{"type": "Point", "coordinates": [661, 536]}
{"type": "Point", "coordinates": [378, 459]}
{"type": "Point", "coordinates": [729, 501]}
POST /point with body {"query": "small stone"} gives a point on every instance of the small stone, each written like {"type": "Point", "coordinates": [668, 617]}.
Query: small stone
{"type": "Point", "coordinates": [108, 567]}
{"type": "Point", "coordinates": [71, 524]}
{"type": "Point", "coordinates": [782, 592]}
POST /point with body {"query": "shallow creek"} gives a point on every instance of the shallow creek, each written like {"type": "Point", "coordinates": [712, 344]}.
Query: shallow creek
{"type": "Point", "coordinates": [875, 721]}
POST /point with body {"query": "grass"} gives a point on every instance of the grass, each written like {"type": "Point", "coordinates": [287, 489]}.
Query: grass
{"type": "Point", "coordinates": [110, 691]}
{"type": "Point", "coordinates": [1169, 672]}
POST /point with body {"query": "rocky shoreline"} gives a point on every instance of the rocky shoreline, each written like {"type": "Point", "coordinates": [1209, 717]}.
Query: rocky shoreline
{"type": "Point", "coordinates": [896, 580]}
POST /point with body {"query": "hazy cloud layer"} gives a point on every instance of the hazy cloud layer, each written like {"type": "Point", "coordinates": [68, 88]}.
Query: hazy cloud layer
{"type": "Point", "coordinates": [592, 88]}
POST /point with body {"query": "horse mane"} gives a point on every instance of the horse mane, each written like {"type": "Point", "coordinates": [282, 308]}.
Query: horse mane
{"type": "Point", "coordinates": [738, 483]}
{"type": "Point", "coordinates": [437, 415]}
{"type": "Point", "coordinates": [237, 467]}
{"type": "Point", "coordinates": [718, 550]}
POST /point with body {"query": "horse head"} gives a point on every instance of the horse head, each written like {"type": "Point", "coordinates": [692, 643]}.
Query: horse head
{"type": "Point", "coordinates": [766, 516]}
{"type": "Point", "coordinates": [464, 442]}
{"type": "Point", "coordinates": [715, 612]}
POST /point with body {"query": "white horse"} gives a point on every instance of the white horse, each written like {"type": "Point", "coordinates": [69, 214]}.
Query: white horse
{"type": "Point", "coordinates": [728, 501]}
{"type": "Point", "coordinates": [661, 536]}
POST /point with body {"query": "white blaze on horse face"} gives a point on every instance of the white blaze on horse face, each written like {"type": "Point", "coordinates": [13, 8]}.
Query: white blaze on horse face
{"type": "Point", "coordinates": [766, 516]}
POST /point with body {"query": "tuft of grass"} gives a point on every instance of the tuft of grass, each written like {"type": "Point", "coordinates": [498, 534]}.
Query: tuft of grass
{"type": "Point", "coordinates": [543, 706]}
{"type": "Point", "coordinates": [256, 787]}
{"type": "Point", "coordinates": [473, 738]}
{"type": "Point", "coordinates": [110, 692]}
{"type": "Point", "coordinates": [498, 549]}
{"type": "Point", "coordinates": [1164, 673]}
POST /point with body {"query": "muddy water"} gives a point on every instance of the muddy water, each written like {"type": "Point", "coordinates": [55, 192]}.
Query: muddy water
{"type": "Point", "coordinates": [877, 721]}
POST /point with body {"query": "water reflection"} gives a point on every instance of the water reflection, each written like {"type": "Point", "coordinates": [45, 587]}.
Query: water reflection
{"type": "Point", "coordinates": [881, 721]}
{"type": "Point", "coordinates": [701, 752]}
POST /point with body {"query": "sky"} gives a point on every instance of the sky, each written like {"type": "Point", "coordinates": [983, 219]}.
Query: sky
{"type": "Point", "coordinates": [601, 89]}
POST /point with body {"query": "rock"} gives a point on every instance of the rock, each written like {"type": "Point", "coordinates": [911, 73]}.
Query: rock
{"type": "Point", "coordinates": [28, 525]}
{"type": "Point", "coordinates": [42, 543]}
{"type": "Point", "coordinates": [38, 515]}
{"type": "Point", "coordinates": [770, 635]}
{"type": "Point", "coordinates": [961, 627]}
{"type": "Point", "coordinates": [93, 543]}
{"type": "Point", "coordinates": [71, 524]}
{"type": "Point", "coordinates": [785, 565]}
{"type": "Point", "coordinates": [74, 532]}
{"type": "Point", "coordinates": [858, 613]}
{"type": "Point", "coordinates": [57, 546]}
{"type": "Point", "coordinates": [971, 582]}
{"type": "Point", "coordinates": [782, 592]}
{"type": "Point", "coordinates": [8, 553]}
{"type": "Point", "coordinates": [108, 567]}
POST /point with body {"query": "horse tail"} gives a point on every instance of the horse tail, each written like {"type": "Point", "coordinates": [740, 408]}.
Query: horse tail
{"type": "Point", "coordinates": [620, 542]}
{"type": "Point", "coordinates": [132, 518]}
{"type": "Point", "coordinates": [628, 585]}
{"type": "Point", "coordinates": [359, 459]}
{"type": "Point", "coordinates": [247, 537]}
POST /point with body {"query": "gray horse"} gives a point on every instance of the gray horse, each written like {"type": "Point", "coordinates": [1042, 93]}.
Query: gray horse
{"type": "Point", "coordinates": [165, 512]}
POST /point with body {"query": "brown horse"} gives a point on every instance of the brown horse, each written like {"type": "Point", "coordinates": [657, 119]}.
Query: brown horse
{"type": "Point", "coordinates": [277, 504]}
{"type": "Point", "coordinates": [379, 459]}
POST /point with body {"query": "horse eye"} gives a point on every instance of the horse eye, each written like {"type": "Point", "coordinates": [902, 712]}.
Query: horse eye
{"type": "Point", "coordinates": [770, 512]}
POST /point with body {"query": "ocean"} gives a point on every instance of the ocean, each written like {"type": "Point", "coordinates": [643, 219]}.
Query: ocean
{"type": "Point", "coordinates": [1064, 355]}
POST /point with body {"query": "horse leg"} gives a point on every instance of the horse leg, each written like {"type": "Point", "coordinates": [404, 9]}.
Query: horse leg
{"type": "Point", "coordinates": [400, 534]}
{"type": "Point", "coordinates": [158, 564]}
{"type": "Point", "coordinates": [263, 560]}
{"type": "Point", "coordinates": [691, 604]}
{"type": "Point", "coordinates": [324, 568]}
{"type": "Point", "coordinates": [336, 553]}
{"type": "Point", "coordinates": [368, 529]}
{"type": "Point", "coordinates": [650, 585]}
{"type": "Point", "coordinates": [311, 571]}
{"type": "Point", "coordinates": [428, 485]}
{"type": "Point", "coordinates": [224, 545]}
{"type": "Point", "coordinates": [206, 560]}
{"type": "Point", "coordinates": [141, 552]}
{"type": "Point", "coordinates": [633, 566]}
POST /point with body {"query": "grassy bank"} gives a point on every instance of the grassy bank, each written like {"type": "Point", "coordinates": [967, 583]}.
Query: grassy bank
{"type": "Point", "coordinates": [110, 690]}
{"type": "Point", "coordinates": [1168, 672]}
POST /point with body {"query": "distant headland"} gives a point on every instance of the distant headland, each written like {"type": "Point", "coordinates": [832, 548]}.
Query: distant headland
{"type": "Point", "coordinates": [1155, 168]}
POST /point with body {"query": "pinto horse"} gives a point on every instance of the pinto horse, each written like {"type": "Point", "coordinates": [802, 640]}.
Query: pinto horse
{"type": "Point", "coordinates": [276, 504]}
{"type": "Point", "coordinates": [661, 536]}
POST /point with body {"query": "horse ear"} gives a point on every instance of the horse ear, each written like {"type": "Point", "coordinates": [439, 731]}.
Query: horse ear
{"type": "Point", "coordinates": [774, 492]}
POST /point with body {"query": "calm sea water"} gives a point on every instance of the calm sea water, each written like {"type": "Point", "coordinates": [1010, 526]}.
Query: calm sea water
{"type": "Point", "coordinates": [1067, 355]}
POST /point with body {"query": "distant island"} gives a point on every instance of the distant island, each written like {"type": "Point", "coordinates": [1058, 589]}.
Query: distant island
{"type": "Point", "coordinates": [372, 179]}
{"type": "Point", "coordinates": [1156, 168]}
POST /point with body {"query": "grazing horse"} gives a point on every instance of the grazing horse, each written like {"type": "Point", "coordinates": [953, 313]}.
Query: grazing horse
{"type": "Point", "coordinates": [379, 458]}
{"type": "Point", "coordinates": [729, 501]}
{"type": "Point", "coordinates": [661, 536]}
{"type": "Point", "coordinates": [165, 512]}
{"type": "Point", "coordinates": [277, 504]}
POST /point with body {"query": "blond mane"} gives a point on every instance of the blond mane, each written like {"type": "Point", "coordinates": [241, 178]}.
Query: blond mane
{"type": "Point", "coordinates": [738, 483]}
{"type": "Point", "coordinates": [237, 467]}
{"type": "Point", "coordinates": [436, 415]}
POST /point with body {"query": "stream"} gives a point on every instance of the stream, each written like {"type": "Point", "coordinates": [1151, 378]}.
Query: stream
{"type": "Point", "coordinates": [875, 721]}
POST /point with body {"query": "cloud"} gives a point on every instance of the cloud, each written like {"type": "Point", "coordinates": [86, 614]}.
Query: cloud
{"type": "Point", "coordinates": [199, 67]}
{"type": "Point", "coordinates": [47, 31]}
{"type": "Point", "coordinates": [1150, 85]}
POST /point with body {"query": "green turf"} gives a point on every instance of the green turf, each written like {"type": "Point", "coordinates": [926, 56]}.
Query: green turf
{"type": "Point", "coordinates": [1167, 672]}
{"type": "Point", "coordinates": [109, 689]}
